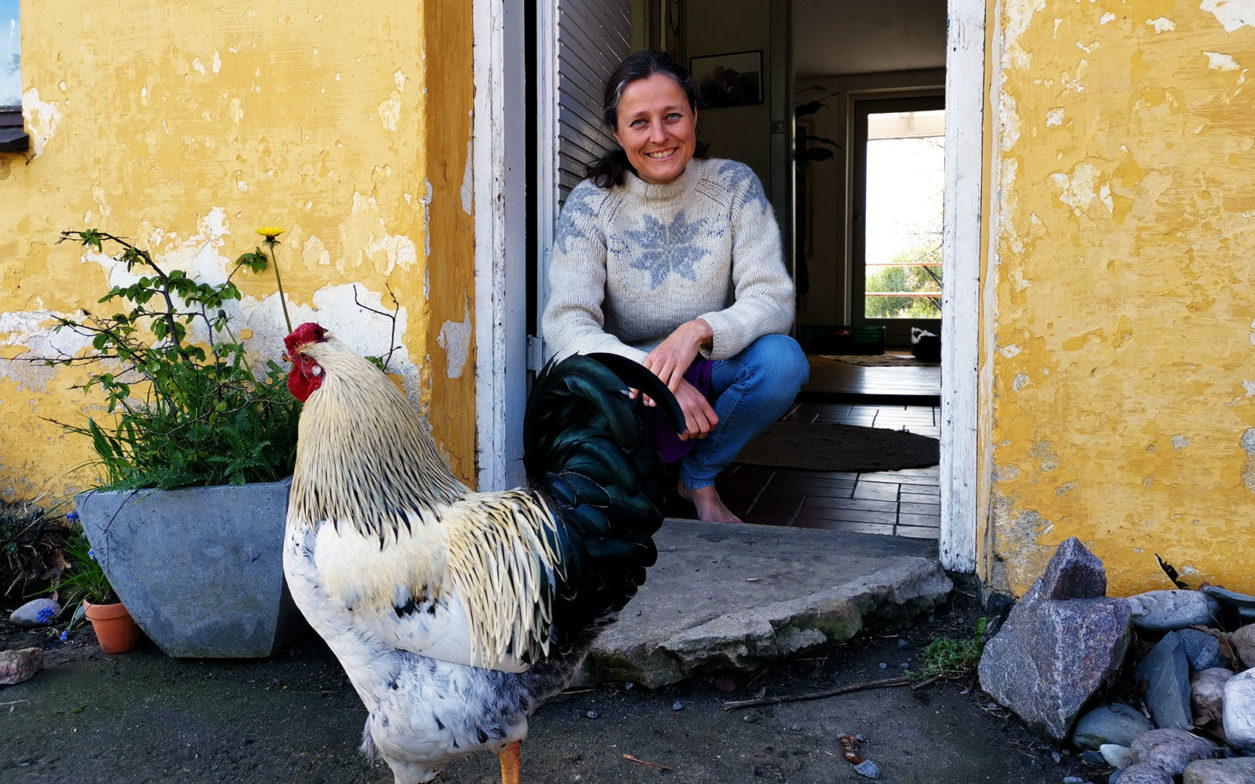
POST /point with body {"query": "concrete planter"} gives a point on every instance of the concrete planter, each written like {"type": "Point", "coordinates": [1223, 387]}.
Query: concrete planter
{"type": "Point", "coordinates": [200, 569]}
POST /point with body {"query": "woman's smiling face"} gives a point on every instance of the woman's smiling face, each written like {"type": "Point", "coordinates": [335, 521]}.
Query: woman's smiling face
{"type": "Point", "coordinates": [656, 127]}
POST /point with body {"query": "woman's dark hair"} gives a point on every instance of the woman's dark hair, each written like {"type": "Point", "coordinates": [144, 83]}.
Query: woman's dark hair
{"type": "Point", "coordinates": [610, 169]}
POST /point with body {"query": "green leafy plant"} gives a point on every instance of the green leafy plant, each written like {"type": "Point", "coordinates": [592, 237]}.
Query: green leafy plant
{"type": "Point", "coordinates": [188, 406]}
{"type": "Point", "coordinates": [80, 580]}
{"type": "Point", "coordinates": [83, 580]}
{"type": "Point", "coordinates": [947, 657]}
{"type": "Point", "coordinates": [31, 540]}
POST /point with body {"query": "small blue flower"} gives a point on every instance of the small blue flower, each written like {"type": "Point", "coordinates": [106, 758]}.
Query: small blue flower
{"type": "Point", "coordinates": [72, 517]}
{"type": "Point", "coordinates": [46, 615]}
{"type": "Point", "coordinates": [91, 553]}
{"type": "Point", "coordinates": [65, 635]}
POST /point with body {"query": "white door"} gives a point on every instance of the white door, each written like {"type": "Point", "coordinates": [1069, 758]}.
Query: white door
{"type": "Point", "coordinates": [579, 42]}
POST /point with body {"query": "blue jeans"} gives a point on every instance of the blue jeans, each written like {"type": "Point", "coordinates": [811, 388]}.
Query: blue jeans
{"type": "Point", "coordinates": [749, 391]}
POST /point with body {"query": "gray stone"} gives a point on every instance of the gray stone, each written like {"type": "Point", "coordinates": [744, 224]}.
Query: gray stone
{"type": "Point", "coordinates": [737, 597]}
{"type": "Point", "coordinates": [1171, 750]}
{"type": "Point", "coordinates": [1202, 649]}
{"type": "Point", "coordinates": [1114, 723]}
{"type": "Point", "coordinates": [867, 768]}
{"type": "Point", "coordinates": [1239, 770]}
{"type": "Point", "coordinates": [1051, 656]}
{"type": "Point", "coordinates": [1117, 756]}
{"type": "Point", "coordinates": [36, 612]}
{"type": "Point", "coordinates": [1238, 608]}
{"type": "Point", "coordinates": [1141, 773]}
{"type": "Point", "coordinates": [1073, 573]}
{"type": "Point", "coordinates": [1239, 711]}
{"type": "Point", "coordinates": [20, 665]}
{"type": "Point", "coordinates": [1207, 694]}
{"type": "Point", "coordinates": [1243, 641]}
{"type": "Point", "coordinates": [1159, 611]}
{"type": "Point", "coordinates": [1166, 672]}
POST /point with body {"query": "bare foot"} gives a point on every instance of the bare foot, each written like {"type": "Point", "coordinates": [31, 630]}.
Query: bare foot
{"type": "Point", "coordinates": [709, 505]}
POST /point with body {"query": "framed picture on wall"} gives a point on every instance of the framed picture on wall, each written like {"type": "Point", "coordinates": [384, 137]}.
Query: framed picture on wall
{"type": "Point", "coordinates": [734, 79]}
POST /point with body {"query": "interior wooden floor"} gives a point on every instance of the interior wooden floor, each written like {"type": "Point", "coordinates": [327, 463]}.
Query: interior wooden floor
{"type": "Point", "coordinates": [897, 503]}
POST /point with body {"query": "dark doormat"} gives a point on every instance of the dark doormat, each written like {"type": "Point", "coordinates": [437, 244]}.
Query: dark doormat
{"type": "Point", "coordinates": [879, 360]}
{"type": "Point", "coordinates": [832, 447]}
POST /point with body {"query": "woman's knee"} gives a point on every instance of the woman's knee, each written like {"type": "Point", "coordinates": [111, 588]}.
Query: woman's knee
{"type": "Point", "coordinates": [782, 360]}
{"type": "Point", "coordinates": [774, 367]}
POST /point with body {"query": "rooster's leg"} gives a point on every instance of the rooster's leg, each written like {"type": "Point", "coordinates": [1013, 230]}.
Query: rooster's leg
{"type": "Point", "coordinates": [509, 757]}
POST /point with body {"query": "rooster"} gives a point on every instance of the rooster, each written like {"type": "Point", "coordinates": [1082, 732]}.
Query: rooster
{"type": "Point", "coordinates": [456, 613]}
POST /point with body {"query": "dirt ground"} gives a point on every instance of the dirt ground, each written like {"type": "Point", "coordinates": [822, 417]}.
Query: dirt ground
{"type": "Point", "coordinates": [143, 717]}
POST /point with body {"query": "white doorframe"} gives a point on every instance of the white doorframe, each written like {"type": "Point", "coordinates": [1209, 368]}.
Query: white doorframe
{"type": "Point", "coordinates": [961, 289]}
{"type": "Point", "coordinates": [498, 160]}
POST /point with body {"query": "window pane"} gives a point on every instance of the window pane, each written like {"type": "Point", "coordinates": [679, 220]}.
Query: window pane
{"type": "Point", "coordinates": [10, 57]}
{"type": "Point", "coordinates": [905, 180]}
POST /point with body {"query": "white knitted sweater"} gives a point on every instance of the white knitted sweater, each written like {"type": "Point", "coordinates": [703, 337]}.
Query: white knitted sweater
{"type": "Point", "coordinates": [632, 263]}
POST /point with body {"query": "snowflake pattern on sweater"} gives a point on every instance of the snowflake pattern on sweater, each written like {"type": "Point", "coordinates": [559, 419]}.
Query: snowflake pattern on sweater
{"type": "Point", "coordinates": [580, 207]}
{"type": "Point", "coordinates": [665, 249]}
{"type": "Point", "coordinates": [738, 175]}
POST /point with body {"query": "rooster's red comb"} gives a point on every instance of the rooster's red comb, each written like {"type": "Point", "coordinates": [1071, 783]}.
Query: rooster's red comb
{"type": "Point", "coordinates": [307, 333]}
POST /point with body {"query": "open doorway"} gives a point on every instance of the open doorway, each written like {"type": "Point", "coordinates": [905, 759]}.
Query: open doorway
{"type": "Point", "coordinates": [835, 51]}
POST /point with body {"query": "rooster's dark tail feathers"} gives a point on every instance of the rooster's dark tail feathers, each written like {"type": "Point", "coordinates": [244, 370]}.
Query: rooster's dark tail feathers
{"type": "Point", "coordinates": [587, 452]}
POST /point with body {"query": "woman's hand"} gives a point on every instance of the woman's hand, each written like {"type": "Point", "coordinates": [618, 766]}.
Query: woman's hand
{"type": "Point", "coordinates": [671, 358]}
{"type": "Point", "coordinates": [699, 417]}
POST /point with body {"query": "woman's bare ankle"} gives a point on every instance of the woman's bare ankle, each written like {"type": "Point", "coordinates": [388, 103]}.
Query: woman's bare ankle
{"type": "Point", "coordinates": [710, 506]}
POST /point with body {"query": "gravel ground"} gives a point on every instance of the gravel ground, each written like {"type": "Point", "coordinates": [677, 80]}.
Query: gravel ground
{"type": "Point", "coordinates": [143, 717]}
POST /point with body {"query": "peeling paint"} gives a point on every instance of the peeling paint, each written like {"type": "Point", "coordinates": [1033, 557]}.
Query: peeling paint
{"type": "Point", "coordinates": [455, 339]}
{"type": "Point", "coordinates": [1019, 17]}
{"type": "Point", "coordinates": [1054, 117]}
{"type": "Point", "coordinates": [1020, 381]}
{"type": "Point", "coordinates": [1065, 488]}
{"type": "Point", "coordinates": [1079, 189]}
{"type": "Point", "coordinates": [1180, 442]}
{"type": "Point", "coordinates": [1221, 62]}
{"type": "Point", "coordinates": [42, 119]}
{"type": "Point", "coordinates": [468, 179]}
{"type": "Point", "coordinates": [1233, 14]}
{"type": "Point", "coordinates": [1044, 453]}
{"type": "Point", "coordinates": [1248, 470]}
{"type": "Point", "coordinates": [1162, 25]}
{"type": "Point", "coordinates": [426, 201]}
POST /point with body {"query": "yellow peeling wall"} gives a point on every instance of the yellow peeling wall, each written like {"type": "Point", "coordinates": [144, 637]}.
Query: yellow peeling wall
{"type": "Point", "coordinates": [1120, 303]}
{"type": "Point", "coordinates": [184, 126]}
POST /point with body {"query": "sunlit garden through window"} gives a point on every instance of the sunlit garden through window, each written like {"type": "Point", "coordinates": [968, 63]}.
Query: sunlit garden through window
{"type": "Point", "coordinates": [905, 163]}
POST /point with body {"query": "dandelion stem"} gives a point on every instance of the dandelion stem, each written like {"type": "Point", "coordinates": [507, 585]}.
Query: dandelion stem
{"type": "Point", "coordinates": [283, 300]}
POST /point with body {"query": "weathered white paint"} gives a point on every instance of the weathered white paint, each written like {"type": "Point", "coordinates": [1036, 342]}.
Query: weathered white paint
{"type": "Point", "coordinates": [455, 339]}
{"type": "Point", "coordinates": [961, 293]}
{"type": "Point", "coordinates": [500, 275]}
{"type": "Point", "coordinates": [1221, 61]}
{"type": "Point", "coordinates": [1233, 14]}
{"type": "Point", "coordinates": [41, 120]}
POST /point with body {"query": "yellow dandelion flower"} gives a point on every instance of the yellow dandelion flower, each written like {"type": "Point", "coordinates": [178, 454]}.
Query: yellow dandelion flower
{"type": "Point", "coordinates": [269, 232]}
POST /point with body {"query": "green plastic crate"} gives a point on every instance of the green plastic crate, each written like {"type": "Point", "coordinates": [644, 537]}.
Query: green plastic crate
{"type": "Point", "coordinates": [843, 339]}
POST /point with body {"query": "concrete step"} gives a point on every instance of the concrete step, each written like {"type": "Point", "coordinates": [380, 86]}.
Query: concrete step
{"type": "Point", "coordinates": [737, 597]}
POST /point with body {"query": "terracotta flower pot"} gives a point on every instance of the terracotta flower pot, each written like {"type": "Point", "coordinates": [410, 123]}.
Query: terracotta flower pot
{"type": "Point", "coordinates": [115, 630]}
